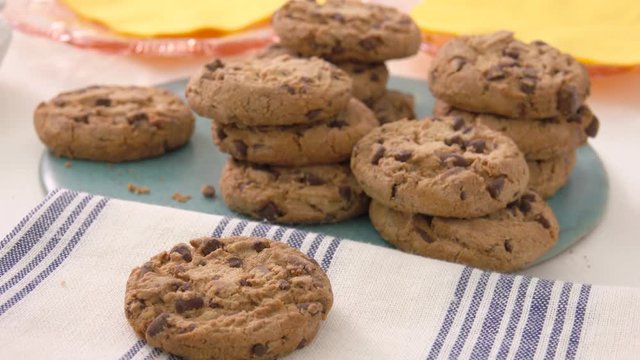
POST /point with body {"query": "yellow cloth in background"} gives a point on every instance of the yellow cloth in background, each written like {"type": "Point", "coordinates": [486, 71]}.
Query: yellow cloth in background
{"type": "Point", "coordinates": [176, 18]}
{"type": "Point", "coordinates": [594, 31]}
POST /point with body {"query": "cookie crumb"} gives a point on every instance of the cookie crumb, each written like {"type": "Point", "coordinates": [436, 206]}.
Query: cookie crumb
{"type": "Point", "coordinates": [208, 191]}
{"type": "Point", "coordinates": [180, 197]}
{"type": "Point", "coordinates": [68, 164]}
{"type": "Point", "coordinates": [138, 190]}
{"type": "Point", "coordinates": [63, 284]}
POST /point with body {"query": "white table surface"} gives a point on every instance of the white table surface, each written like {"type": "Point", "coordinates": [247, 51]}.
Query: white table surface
{"type": "Point", "coordinates": [36, 69]}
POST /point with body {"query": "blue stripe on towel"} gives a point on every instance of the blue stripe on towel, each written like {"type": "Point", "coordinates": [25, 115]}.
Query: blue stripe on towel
{"type": "Point", "coordinates": [478, 294]}
{"type": "Point", "coordinates": [49, 247]}
{"type": "Point", "coordinates": [535, 320]}
{"type": "Point", "coordinates": [32, 236]}
{"type": "Point", "coordinates": [58, 260]}
{"type": "Point", "coordinates": [576, 331]}
{"type": "Point", "coordinates": [514, 318]}
{"type": "Point", "coordinates": [452, 311]}
{"type": "Point", "coordinates": [26, 219]}
{"type": "Point", "coordinates": [558, 323]}
{"type": "Point", "coordinates": [133, 350]}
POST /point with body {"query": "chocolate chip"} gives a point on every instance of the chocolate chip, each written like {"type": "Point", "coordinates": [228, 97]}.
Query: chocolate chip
{"type": "Point", "coordinates": [454, 140]}
{"type": "Point", "coordinates": [290, 89]}
{"type": "Point", "coordinates": [185, 287]}
{"type": "Point", "coordinates": [215, 65]}
{"type": "Point", "coordinates": [495, 73]}
{"type": "Point", "coordinates": [59, 103]}
{"type": "Point", "coordinates": [478, 145]}
{"type": "Point", "coordinates": [512, 53]}
{"type": "Point", "coordinates": [244, 282]}
{"type": "Point", "coordinates": [403, 155]}
{"type": "Point", "coordinates": [345, 192]}
{"type": "Point", "coordinates": [184, 251]}
{"type": "Point", "coordinates": [458, 63]}
{"type": "Point", "coordinates": [539, 43]}
{"type": "Point", "coordinates": [82, 119]}
{"type": "Point", "coordinates": [302, 344]}
{"type": "Point", "coordinates": [359, 69]}
{"type": "Point", "coordinates": [458, 123]}
{"type": "Point", "coordinates": [103, 102]}
{"type": "Point", "coordinates": [575, 118]}
{"type": "Point", "coordinates": [394, 189]}
{"type": "Point", "coordinates": [374, 77]}
{"type": "Point", "coordinates": [524, 205]}
{"type": "Point", "coordinates": [269, 211]}
{"type": "Point", "coordinates": [313, 180]}
{"type": "Point", "coordinates": [427, 219]}
{"type": "Point", "coordinates": [258, 349]}
{"type": "Point", "coordinates": [528, 197]}
{"type": "Point", "coordinates": [210, 245]}
{"type": "Point", "coordinates": [592, 129]}
{"type": "Point", "coordinates": [467, 129]}
{"type": "Point", "coordinates": [147, 267]}
{"type": "Point", "coordinates": [193, 303]}
{"type": "Point", "coordinates": [258, 246]}
{"type": "Point", "coordinates": [375, 159]}
{"type": "Point", "coordinates": [284, 285]}
{"type": "Point", "coordinates": [495, 186]}
{"type": "Point", "coordinates": [543, 221]}
{"type": "Point", "coordinates": [235, 262]}
{"type": "Point", "coordinates": [530, 72]}
{"type": "Point", "coordinates": [138, 118]}
{"type": "Point", "coordinates": [187, 329]}
{"type": "Point", "coordinates": [369, 43]}
{"type": "Point", "coordinates": [528, 85]}
{"type": "Point", "coordinates": [507, 246]}
{"type": "Point", "coordinates": [567, 99]}
{"type": "Point", "coordinates": [337, 124]}
{"type": "Point", "coordinates": [214, 305]}
{"type": "Point", "coordinates": [338, 17]}
{"type": "Point", "coordinates": [221, 134]}
{"type": "Point", "coordinates": [241, 148]}
{"type": "Point", "coordinates": [313, 114]}
{"type": "Point", "coordinates": [157, 325]}
{"type": "Point", "coordinates": [454, 159]}
{"type": "Point", "coordinates": [424, 235]}
{"type": "Point", "coordinates": [463, 195]}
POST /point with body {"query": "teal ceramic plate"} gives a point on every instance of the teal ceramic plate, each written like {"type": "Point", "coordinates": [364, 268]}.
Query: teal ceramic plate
{"type": "Point", "coordinates": [578, 206]}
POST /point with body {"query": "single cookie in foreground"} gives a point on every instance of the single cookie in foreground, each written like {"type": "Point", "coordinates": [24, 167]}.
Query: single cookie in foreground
{"type": "Point", "coordinates": [539, 139]}
{"type": "Point", "coordinates": [507, 240]}
{"type": "Point", "coordinates": [498, 74]}
{"type": "Point", "coordinates": [546, 177]}
{"type": "Point", "coordinates": [393, 106]}
{"type": "Point", "coordinates": [302, 195]}
{"type": "Point", "coordinates": [281, 90]}
{"type": "Point", "coordinates": [231, 298]}
{"type": "Point", "coordinates": [341, 30]}
{"type": "Point", "coordinates": [114, 123]}
{"type": "Point", "coordinates": [441, 166]}
{"type": "Point", "coordinates": [369, 79]}
{"type": "Point", "coordinates": [325, 142]}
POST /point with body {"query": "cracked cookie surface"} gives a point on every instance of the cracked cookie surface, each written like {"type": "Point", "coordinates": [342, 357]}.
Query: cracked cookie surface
{"type": "Point", "coordinates": [114, 123]}
{"type": "Point", "coordinates": [441, 166]}
{"type": "Point", "coordinates": [547, 176]}
{"type": "Point", "coordinates": [301, 195]}
{"type": "Point", "coordinates": [393, 106]}
{"type": "Point", "coordinates": [324, 142]}
{"type": "Point", "coordinates": [341, 30]}
{"type": "Point", "coordinates": [228, 298]}
{"type": "Point", "coordinates": [281, 90]}
{"type": "Point", "coordinates": [497, 74]}
{"type": "Point", "coordinates": [538, 139]}
{"type": "Point", "coordinates": [507, 240]}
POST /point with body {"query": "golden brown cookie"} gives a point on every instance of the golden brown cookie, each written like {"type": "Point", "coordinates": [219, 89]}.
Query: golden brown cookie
{"type": "Point", "coordinates": [393, 106]}
{"type": "Point", "coordinates": [507, 240]}
{"type": "Point", "coordinates": [546, 177]}
{"type": "Point", "coordinates": [300, 195]}
{"type": "Point", "coordinates": [441, 166]}
{"type": "Point", "coordinates": [114, 123]}
{"type": "Point", "coordinates": [324, 142]}
{"type": "Point", "coordinates": [231, 298]}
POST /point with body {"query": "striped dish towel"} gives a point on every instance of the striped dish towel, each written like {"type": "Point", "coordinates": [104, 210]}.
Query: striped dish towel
{"type": "Point", "coordinates": [64, 267]}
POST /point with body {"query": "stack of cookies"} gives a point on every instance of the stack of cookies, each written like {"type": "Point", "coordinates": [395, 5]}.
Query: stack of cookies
{"type": "Point", "coordinates": [290, 125]}
{"type": "Point", "coordinates": [358, 38]}
{"type": "Point", "coordinates": [446, 188]}
{"type": "Point", "coordinates": [531, 92]}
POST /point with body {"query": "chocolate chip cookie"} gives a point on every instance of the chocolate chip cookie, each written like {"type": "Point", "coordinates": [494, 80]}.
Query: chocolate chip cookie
{"type": "Point", "coordinates": [537, 138]}
{"type": "Point", "coordinates": [341, 30]}
{"type": "Point", "coordinates": [393, 106]}
{"type": "Point", "coordinates": [302, 195]}
{"type": "Point", "coordinates": [546, 177]}
{"type": "Point", "coordinates": [507, 240]}
{"type": "Point", "coordinates": [319, 143]}
{"type": "Point", "coordinates": [230, 298]}
{"type": "Point", "coordinates": [498, 74]}
{"type": "Point", "coordinates": [281, 90]}
{"type": "Point", "coordinates": [369, 79]}
{"type": "Point", "coordinates": [440, 166]}
{"type": "Point", "coordinates": [114, 123]}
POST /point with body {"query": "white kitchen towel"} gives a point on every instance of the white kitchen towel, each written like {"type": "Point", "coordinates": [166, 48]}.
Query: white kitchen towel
{"type": "Point", "coordinates": [64, 267]}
